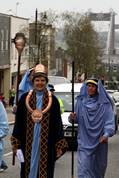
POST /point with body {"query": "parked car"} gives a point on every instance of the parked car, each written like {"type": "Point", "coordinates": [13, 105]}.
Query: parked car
{"type": "Point", "coordinates": [111, 91]}
{"type": "Point", "coordinates": [58, 80]}
{"type": "Point", "coordinates": [63, 91]}
{"type": "Point", "coordinates": [115, 95]}
{"type": "Point", "coordinates": [116, 110]}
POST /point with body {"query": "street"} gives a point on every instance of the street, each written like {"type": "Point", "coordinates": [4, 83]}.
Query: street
{"type": "Point", "coordinates": [63, 165]}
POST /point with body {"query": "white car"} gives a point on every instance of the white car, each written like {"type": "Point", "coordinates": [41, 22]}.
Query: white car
{"type": "Point", "coordinates": [115, 96]}
{"type": "Point", "coordinates": [115, 108]}
{"type": "Point", "coordinates": [64, 92]}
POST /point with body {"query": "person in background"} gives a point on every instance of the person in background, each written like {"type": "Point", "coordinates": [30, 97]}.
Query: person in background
{"type": "Point", "coordinates": [62, 109]}
{"type": "Point", "coordinates": [38, 129]}
{"type": "Point", "coordinates": [3, 133]}
{"type": "Point", "coordinates": [12, 93]}
{"type": "Point", "coordinates": [95, 117]}
{"type": "Point", "coordinates": [51, 88]}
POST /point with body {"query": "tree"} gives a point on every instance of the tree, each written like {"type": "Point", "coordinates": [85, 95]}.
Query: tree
{"type": "Point", "coordinates": [82, 43]}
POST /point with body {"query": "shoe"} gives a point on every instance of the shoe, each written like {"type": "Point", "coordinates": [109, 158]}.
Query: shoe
{"type": "Point", "coordinates": [1, 170]}
{"type": "Point", "coordinates": [4, 167]}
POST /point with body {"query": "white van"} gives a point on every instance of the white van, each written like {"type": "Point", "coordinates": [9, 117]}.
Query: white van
{"type": "Point", "coordinates": [64, 92]}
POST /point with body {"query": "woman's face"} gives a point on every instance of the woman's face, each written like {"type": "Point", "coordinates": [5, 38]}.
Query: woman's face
{"type": "Point", "coordinates": [40, 83]}
{"type": "Point", "coordinates": [92, 89]}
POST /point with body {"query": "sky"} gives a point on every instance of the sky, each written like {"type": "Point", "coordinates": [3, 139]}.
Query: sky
{"type": "Point", "coordinates": [26, 8]}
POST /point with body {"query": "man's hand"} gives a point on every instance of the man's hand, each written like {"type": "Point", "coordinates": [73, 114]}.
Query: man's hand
{"type": "Point", "coordinates": [59, 153]}
{"type": "Point", "coordinates": [72, 116]}
{"type": "Point", "coordinates": [103, 139]}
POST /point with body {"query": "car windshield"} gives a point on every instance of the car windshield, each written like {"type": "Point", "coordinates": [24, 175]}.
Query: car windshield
{"type": "Point", "coordinates": [66, 98]}
{"type": "Point", "coordinates": [57, 80]}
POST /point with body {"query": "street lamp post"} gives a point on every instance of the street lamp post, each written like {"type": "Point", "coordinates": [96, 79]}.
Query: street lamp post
{"type": "Point", "coordinates": [40, 30]}
{"type": "Point", "coordinates": [72, 158]}
{"type": "Point", "coordinates": [19, 42]}
{"type": "Point", "coordinates": [17, 3]}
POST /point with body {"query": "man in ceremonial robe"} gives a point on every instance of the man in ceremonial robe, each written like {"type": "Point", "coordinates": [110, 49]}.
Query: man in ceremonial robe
{"type": "Point", "coordinates": [38, 130]}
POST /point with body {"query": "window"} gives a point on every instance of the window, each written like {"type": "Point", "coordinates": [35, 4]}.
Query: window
{"type": "Point", "coordinates": [66, 98]}
{"type": "Point", "coordinates": [114, 68]}
{"type": "Point", "coordinates": [2, 40]}
{"type": "Point", "coordinates": [6, 40]}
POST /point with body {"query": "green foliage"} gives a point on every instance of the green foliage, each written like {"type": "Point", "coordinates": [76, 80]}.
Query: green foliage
{"type": "Point", "coordinates": [83, 44]}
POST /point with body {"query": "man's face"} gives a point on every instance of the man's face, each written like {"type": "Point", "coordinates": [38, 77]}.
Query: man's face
{"type": "Point", "coordinates": [92, 89]}
{"type": "Point", "coordinates": [40, 83]}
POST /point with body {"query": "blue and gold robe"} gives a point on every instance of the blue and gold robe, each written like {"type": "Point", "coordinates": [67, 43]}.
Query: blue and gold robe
{"type": "Point", "coordinates": [50, 137]}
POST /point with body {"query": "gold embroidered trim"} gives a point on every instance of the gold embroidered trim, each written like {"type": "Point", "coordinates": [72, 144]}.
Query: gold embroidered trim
{"type": "Point", "coordinates": [29, 134]}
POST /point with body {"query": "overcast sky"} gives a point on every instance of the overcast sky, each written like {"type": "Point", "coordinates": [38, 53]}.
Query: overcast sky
{"type": "Point", "coordinates": [26, 8]}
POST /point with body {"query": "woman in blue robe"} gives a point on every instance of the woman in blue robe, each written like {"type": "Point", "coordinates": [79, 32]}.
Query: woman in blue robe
{"type": "Point", "coordinates": [38, 130]}
{"type": "Point", "coordinates": [95, 117]}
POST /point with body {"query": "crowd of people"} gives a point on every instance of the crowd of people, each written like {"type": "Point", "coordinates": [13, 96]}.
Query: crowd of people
{"type": "Point", "coordinates": [38, 130]}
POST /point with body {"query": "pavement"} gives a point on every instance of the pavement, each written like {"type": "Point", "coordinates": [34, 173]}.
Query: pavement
{"type": "Point", "coordinates": [11, 116]}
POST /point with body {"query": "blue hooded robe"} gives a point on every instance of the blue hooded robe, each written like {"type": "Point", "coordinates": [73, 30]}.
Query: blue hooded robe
{"type": "Point", "coordinates": [95, 118]}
